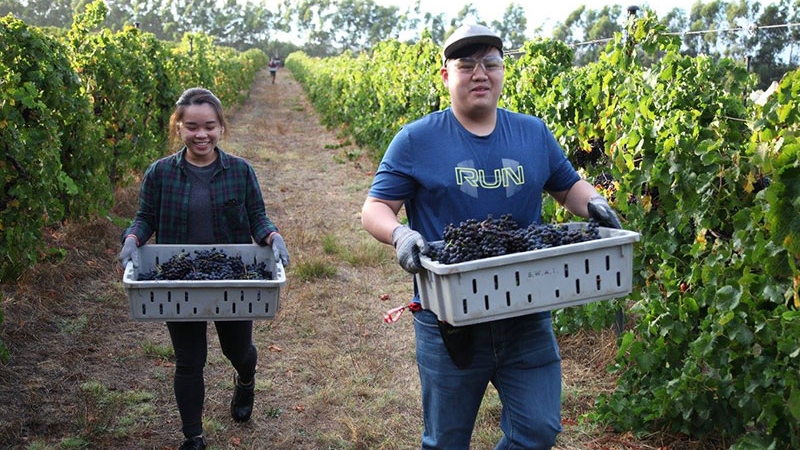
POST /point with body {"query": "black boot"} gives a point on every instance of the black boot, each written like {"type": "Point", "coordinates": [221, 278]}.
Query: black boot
{"type": "Point", "coordinates": [195, 443]}
{"type": "Point", "coordinates": [242, 401]}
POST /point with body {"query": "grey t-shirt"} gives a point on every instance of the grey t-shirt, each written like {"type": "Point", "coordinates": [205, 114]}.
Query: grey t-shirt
{"type": "Point", "coordinates": [201, 230]}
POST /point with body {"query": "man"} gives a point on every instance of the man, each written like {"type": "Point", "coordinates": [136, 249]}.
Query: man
{"type": "Point", "coordinates": [445, 168]}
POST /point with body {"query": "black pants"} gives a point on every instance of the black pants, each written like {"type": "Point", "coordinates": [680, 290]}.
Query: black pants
{"type": "Point", "coordinates": [191, 348]}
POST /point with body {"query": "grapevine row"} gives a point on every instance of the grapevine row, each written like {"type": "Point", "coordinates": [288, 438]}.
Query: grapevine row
{"type": "Point", "coordinates": [703, 166]}
{"type": "Point", "coordinates": [84, 110]}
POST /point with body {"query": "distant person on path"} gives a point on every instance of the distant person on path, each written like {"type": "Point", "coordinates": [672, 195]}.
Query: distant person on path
{"type": "Point", "coordinates": [202, 195]}
{"type": "Point", "coordinates": [420, 170]}
{"type": "Point", "coordinates": [274, 63]}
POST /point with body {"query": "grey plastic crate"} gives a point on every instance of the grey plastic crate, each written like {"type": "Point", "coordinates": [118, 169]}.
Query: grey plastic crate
{"type": "Point", "coordinates": [189, 300]}
{"type": "Point", "coordinates": [523, 283]}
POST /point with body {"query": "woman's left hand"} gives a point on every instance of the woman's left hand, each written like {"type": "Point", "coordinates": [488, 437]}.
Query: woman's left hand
{"type": "Point", "coordinates": [279, 249]}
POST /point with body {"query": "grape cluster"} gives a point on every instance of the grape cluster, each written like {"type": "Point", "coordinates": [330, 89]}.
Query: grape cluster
{"type": "Point", "coordinates": [211, 264]}
{"type": "Point", "coordinates": [589, 157]}
{"type": "Point", "coordinates": [473, 239]}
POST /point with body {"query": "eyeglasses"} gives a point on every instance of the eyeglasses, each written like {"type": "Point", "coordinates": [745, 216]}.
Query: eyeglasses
{"type": "Point", "coordinates": [468, 65]}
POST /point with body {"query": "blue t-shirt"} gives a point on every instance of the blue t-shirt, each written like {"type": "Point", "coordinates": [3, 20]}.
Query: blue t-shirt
{"type": "Point", "coordinates": [445, 174]}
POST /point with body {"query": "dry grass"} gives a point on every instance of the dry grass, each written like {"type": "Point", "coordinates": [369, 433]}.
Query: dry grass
{"type": "Point", "coordinates": [331, 374]}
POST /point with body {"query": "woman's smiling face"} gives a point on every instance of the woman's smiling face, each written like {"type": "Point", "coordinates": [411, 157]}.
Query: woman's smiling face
{"type": "Point", "coordinates": [200, 130]}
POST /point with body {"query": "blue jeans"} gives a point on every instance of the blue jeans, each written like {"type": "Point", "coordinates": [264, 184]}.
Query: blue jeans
{"type": "Point", "coordinates": [519, 356]}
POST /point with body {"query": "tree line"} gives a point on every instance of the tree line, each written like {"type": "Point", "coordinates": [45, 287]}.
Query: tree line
{"type": "Point", "coordinates": [318, 27]}
{"type": "Point", "coordinates": [756, 34]}
{"type": "Point", "coordinates": [761, 36]}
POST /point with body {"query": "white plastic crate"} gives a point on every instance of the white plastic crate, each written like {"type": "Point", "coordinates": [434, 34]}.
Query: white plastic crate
{"type": "Point", "coordinates": [190, 300]}
{"type": "Point", "coordinates": [523, 283]}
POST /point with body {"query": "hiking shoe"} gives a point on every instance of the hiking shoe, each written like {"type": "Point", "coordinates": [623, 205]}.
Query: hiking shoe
{"type": "Point", "coordinates": [242, 401]}
{"type": "Point", "coordinates": [195, 443]}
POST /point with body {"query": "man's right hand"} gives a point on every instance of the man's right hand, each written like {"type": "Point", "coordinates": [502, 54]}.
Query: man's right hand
{"type": "Point", "coordinates": [408, 244]}
{"type": "Point", "coordinates": [129, 252]}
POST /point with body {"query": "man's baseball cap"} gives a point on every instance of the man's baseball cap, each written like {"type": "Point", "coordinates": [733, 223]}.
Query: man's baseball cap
{"type": "Point", "coordinates": [469, 35]}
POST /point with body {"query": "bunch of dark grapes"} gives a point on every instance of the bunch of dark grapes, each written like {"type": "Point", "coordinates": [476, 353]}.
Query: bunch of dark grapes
{"type": "Point", "coordinates": [212, 264]}
{"type": "Point", "coordinates": [473, 239]}
{"type": "Point", "coordinates": [539, 236]}
{"type": "Point", "coordinates": [762, 182]}
{"type": "Point", "coordinates": [591, 157]}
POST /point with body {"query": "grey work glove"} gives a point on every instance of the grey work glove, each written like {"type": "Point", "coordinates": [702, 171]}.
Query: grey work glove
{"type": "Point", "coordinates": [408, 244]}
{"type": "Point", "coordinates": [279, 249]}
{"type": "Point", "coordinates": [601, 211]}
{"type": "Point", "coordinates": [129, 252]}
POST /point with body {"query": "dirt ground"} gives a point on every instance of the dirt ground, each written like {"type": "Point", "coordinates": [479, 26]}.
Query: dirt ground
{"type": "Point", "coordinates": [331, 374]}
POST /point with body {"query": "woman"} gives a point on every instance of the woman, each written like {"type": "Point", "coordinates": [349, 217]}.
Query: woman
{"type": "Point", "coordinates": [202, 195]}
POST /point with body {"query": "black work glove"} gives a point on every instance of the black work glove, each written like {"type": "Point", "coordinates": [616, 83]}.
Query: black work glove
{"type": "Point", "coordinates": [601, 211]}
{"type": "Point", "coordinates": [129, 252]}
{"type": "Point", "coordinates": [408, 244]}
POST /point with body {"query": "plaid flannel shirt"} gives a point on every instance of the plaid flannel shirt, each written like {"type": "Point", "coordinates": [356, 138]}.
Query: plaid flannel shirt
{"type": "Point", "coordinates": [239, 214]}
